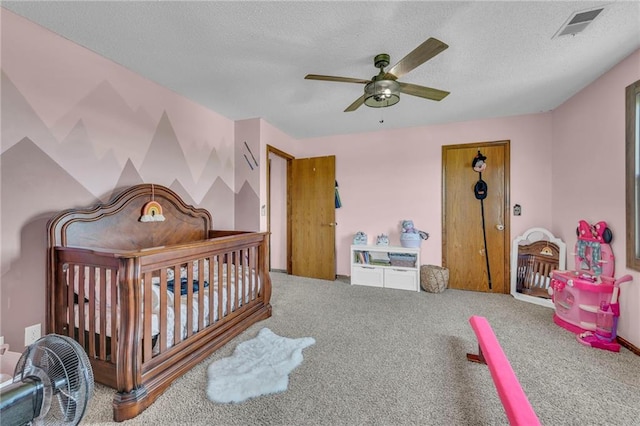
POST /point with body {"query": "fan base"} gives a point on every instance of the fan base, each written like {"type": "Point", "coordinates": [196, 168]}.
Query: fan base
{"type": "Point", "coordinates": [381, 60]}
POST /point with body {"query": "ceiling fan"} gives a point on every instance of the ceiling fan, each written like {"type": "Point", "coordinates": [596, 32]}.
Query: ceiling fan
{"type": "Point", "coordinates": [382, 90]}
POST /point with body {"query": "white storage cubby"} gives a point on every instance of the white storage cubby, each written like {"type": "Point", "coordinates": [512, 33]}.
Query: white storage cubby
{"type": "Point", "coordinates": [365, 270]}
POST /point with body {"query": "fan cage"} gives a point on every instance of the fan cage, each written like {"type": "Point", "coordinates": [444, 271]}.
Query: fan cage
{"type": "Point", "coordinates": [64, 368]}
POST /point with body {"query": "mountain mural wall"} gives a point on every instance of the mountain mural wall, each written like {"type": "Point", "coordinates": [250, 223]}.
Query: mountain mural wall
{"type": "Point", "coordinates": [76, 129]}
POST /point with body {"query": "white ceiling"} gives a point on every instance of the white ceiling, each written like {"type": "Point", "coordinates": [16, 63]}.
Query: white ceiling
{"type": "Point", "coordinates": [248, 59]}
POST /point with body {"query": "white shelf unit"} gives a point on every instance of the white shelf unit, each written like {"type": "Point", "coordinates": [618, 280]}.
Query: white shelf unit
{"type": "Point", "coordinates": [389, 276]}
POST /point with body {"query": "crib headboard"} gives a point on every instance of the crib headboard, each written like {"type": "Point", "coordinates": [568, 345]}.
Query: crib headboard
{"type": "Point", "coordinates": [116, 225]}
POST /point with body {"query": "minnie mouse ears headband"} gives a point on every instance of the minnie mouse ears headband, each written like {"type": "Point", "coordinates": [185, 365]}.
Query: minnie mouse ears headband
{"type": "Point", "coordinates": [478, 160]}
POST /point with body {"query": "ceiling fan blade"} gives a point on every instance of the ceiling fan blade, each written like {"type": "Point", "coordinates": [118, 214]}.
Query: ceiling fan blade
{"type": "Point", "coordinates": [354, 106]}
{"type": "Point", "coordinates": [423, 92]}
{"type": "Point", "coordinates": [339, 79]}
{"type": "Point", "coordinates": [417, 57]}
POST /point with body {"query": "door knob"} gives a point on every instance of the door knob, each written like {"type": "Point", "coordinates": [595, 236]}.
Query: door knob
{"type": "Point", "coordinates": [500, 227]}
{"type": "Point", "coordinates": [332, 223]}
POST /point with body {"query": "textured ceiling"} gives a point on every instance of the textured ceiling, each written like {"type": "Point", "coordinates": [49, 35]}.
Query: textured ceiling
{"type": "Point", "coordinates": [248, 59]}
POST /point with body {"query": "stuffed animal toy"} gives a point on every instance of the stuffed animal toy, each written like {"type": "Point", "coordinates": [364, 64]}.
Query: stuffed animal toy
{"type": "Point", "coordinates": [408, 228]}
{"type": "Point", "coordinates": [360, 238]}
{"type": "Point", "coordinates": [382, 240]}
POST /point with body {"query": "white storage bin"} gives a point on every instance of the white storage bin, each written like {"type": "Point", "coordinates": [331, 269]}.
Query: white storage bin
{"type": "Point", "coordinates": [367, 275]}
{"type": "Point", "coordinates": [402, 279]}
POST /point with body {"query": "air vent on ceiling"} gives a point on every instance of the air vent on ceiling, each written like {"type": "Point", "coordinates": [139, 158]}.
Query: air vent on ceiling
{"type": "Point", "coordinates": [578, 22]}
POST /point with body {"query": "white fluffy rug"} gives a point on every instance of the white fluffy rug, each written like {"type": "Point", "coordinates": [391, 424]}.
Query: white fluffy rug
{"type": "Point", "coordinates": [257, 367]}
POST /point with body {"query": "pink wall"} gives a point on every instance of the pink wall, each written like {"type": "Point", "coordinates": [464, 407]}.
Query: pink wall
{"type": "Point", "coordinates": [247, 173]}
{"type": "Point", "coordinates": [391, 175]}
{"type": "Point", "coordinates": [77, 127]}
{"type": "Point", "coordinates": [589, 173]}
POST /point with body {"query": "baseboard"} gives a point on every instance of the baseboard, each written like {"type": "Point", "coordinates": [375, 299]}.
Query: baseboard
{"type": "Point", "coordinates": [628, 345]}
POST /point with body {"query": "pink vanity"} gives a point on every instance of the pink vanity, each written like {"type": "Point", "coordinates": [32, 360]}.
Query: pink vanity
{"type": "Point", "coordinates": [586, 299]}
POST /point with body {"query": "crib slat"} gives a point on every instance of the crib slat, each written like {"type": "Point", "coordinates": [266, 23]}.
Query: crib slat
{"type": "Point", "coordinates": [227, 283]}
{"type": "Point", "coordinates": [189, 318]}
{"type": "Point", "coordinates": [247, 276]}
{"type": "Point", "coordinates": [201, 293]}
{"type": "Point", "coordinates": [237, 267]}
{"type": "Point", "coordinates": [114, 318]}
{"type": "Point", "coordinates": [92, 310]}
{"type": "Point", "coordinates": [163, 311]}
{"type": "Point", "coordinates": [242, 277]}
{"type": "Point", "coordinates": [212, 289]}
{"type": "Point", "coordinates": [102, 291]}
{"type": "Point", "coordinates": [177, 322]}
{"type": "Point", "coordinates": [70, 279]}
{"type": "Point", "coordinates": [81, 306]}
{"type": "Point", "coordinates": [221, 302]}
{"type": "Point", "coordinates": [146, 318]}
{"type": "Point", "coordinates": [252, 273]}
{"type": "Point", "coordinates": [70, 301]}
{"type": "Point", "coordinates": [61, 315]}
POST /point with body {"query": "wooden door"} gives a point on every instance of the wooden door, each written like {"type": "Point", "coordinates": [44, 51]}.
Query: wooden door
{"type": "Point", "coordinates": [463, 248]}
{"type": "Point", "coordinates": [311, 189]}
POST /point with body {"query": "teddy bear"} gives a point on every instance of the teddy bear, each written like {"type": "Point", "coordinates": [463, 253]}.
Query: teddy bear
{"type": "Point", "coordinates": [409, 228]}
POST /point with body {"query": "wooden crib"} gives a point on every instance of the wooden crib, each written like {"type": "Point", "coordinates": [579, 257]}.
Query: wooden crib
{"type": "Point", "coordinates": [149, 300]}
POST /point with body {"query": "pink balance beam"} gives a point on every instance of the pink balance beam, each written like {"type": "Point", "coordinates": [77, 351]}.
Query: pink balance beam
{"type": "Point", "coordinates": [515, 402]}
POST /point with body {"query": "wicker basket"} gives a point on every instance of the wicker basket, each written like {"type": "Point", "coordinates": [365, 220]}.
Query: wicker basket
{"type": "Point", "coordinates": [434, 279]}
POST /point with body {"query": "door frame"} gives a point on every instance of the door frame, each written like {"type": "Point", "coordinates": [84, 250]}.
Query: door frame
{"type": "Point", "coordinates": [271, 150]}
{"type": "Point", "coordinates": [507, 203]}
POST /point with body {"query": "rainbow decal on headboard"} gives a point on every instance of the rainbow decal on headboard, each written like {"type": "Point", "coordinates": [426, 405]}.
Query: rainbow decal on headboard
{"type": "Point", "coordinates": [152, 212]}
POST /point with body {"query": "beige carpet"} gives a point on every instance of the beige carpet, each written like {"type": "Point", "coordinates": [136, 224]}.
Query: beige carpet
{"type": "Point", "coordinates": [394, 357]}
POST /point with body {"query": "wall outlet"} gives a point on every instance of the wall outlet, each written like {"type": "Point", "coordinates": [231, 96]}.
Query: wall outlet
{"type": "Point", "coordinates": [31, 334]}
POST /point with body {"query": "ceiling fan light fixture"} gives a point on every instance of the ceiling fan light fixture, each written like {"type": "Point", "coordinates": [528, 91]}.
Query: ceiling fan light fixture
{"type": "Point", "coordinates": [381, 93]}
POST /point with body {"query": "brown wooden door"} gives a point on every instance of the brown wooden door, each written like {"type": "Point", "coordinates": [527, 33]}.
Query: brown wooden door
{"type": "Point", "coordinates": [463, 249]}
{"type": "Point", "coordinates": [311, 192]}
